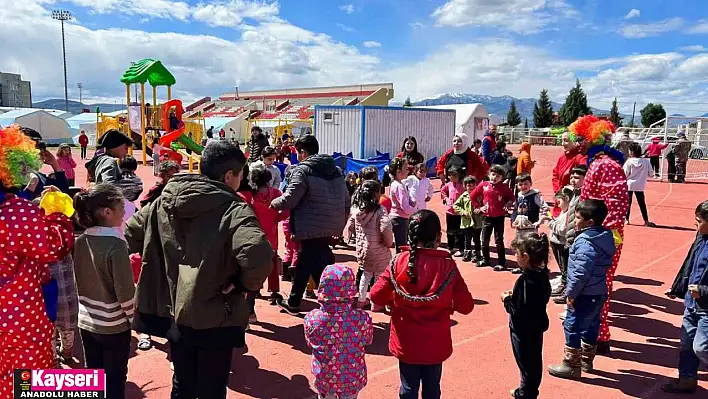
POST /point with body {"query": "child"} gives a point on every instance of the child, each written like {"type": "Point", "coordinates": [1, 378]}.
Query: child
{"type": "Point", "coordinates": [66, 162]}
{"type": "Point", "coordinates": [167, 170]}
{"type": "Point", "coordinates": [374, 237]}
{"type": "Point", "coordinates": [104, 281]}
{"type": "Point", "coordinates": [67, 310]}
{"type": "Point", "coordinates": [424, 288]}
{"type": "Point", "coordinates": [654, 150]}
{"type": "Point", "coordinates": [526, 306]}
{"type": "Point", "coordinates": [268, 159]}
{"type": "Point", "coordinates": [338, 328]}
{"type": "Point", "coordinates": [510, 175]}
{"type": "Point", "coordinates": [557, 228]}
{"type": "Point", "coordinates": [156, 153]}
{"type": "Point", "coordinates": [402, 205]}
{"type": "Point", "coordinates": [524, 164]}
{"type": "Point", "coordinates": [590, 257]}
{"type": "Point", "coordinates": [530, 206]}
{"type": "Point", "coordinates": [496, 196]}
{"type": "Point", "coordinates": [471, 222]}
{"type": "Point", "coordinates": [691, 284]}
{"type": "Point", "coordinates": [450, 192]}
{"type": "Point", "coordinates": [419, 186]}
{"type": "Point", "coordinates": [130, 185]}
{"type": "Point", "coordinates": [638, 171]}
{"type": "Point", "coordinates": [351, 181]}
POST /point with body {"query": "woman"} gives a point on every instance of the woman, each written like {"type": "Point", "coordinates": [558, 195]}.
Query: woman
{"type": "Point", "coordinates": [570, 158]}
{"type": "Point", "coordinates": [409, 152]}
{"type": "Point", "coordinates": [461, 155]}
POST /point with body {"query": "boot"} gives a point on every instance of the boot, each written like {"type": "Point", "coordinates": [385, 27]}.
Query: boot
{"type": "Point", "coordinates": [588, 355]}
{"type": "Point", "coordinates": [570, 367]}
{"type": "Point", "coordinates": [560, 300]}
{"type": "Point", "coordinates": [558, 291]}
{"type": "Point", "coordinates": [681, 385]}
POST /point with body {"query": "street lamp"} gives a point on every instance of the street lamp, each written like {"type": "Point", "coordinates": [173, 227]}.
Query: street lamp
{"type": "Point", "coordinates": [63, 15]}
{"type": "Point", "coordinates": [80, 86]}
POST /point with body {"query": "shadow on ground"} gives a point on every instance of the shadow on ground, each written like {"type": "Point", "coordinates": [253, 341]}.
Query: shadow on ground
{"type": "Point", "coordinates": [249, 379]}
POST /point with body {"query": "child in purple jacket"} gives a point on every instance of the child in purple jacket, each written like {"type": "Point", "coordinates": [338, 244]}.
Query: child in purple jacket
{"type": "Point", "coordinates": [338, 327]}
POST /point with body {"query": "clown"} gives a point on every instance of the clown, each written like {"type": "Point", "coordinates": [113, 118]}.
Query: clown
{"type": "Point", "coordinates": [606, 181]}
{"type": "Point", "coordinates": [30, 238]}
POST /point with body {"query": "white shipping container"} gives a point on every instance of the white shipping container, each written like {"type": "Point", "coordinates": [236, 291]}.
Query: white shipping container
{"type": "Point", "coordinates": [363, 130]}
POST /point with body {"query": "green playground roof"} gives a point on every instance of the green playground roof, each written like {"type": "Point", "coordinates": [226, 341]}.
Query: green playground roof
{"type": "Point", "coordinates": [150, 71]}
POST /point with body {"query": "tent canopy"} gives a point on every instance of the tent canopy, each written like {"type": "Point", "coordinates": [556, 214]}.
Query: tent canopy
{"type": "Point", "coordinates": [148, 70]}
{"type": "Point", "coordinates": [54, 130]}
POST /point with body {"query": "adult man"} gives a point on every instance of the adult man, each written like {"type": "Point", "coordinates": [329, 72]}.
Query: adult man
{"type": "Point", "coordinates": [318, 200]}
{"type": "Point", "coordinates": [681, 150]}
{"type": "Point", "coordinates": [256, 144]}
{"type": "Point", "coordinates": [606, 181]}
{"type": "Point", "coordinates": [570, 158]}
{"type": "Point", "coordinates": [489, 143]}
{"type": "Point", "coordinates": [202, 250]}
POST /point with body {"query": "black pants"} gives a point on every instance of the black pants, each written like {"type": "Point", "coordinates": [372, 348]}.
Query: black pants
{"type": "Point", "coordinates": [455, 236]}
{"type": "Point", "coordinates": [83, 152]}
{"type": "Point", "coordinates": [561, 253]}
{"type": "Point", "coordinates": [72, 182]}
{"type": "Point", "coordinates": [642, 204]}
{"type": "Point", "coordinates": [200, 372]}
{"type": "Point", "coordinates": [109, 352]}
{"type": "Point", "coordinates": [495, 225]}
{"type": "Point", "coordinates": [413, 374]}
{"type": "Point", "coordinates": [655, 161]}
{"type": "Point", "coordinates": [473, 236]}
{"type": "Point", "coordinates": [314, 255]}
{"type": "Point", "coordinates": [528, 352]}
{"type": "Point", "coordinates": [400, 232]}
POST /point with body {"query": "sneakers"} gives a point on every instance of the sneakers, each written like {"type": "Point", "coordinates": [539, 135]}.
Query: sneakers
{"type": "Point", "coordinates": [516, 270]}
{"type": "Point", "coordinates": [500, 268]}
{"type": "Point", "coordinates": [559, 290]}
{"type": "Point", "coordinates": [458, 254]}
{"type": "Point", "coordinates": [649, 224]}
{"type": "Point", "coordinates": [560, 300]}
{"type": "Point", "coordinates": [467, 256]}
{"type": "Point", "coordinates": [291, 310]}
{"type": "Point", "coordinates": [563, 315]}
{"type": "Point", "coordinates": [556, 281]}
{"type": "Point", "coordinates": [274, 298]}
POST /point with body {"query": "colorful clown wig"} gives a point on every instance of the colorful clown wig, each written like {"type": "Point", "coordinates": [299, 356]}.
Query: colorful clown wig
{"type": "Point", "coordinates": [592, 130]}
{"type": "Point", "coordinates": [18, 157]}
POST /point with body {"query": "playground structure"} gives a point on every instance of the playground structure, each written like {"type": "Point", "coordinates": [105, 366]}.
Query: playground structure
{"type": "Point", "coordinates": [178, 139]}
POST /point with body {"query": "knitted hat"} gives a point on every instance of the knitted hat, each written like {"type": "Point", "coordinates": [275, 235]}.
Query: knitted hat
{"type": "Point", "coordinates": [113, 139]}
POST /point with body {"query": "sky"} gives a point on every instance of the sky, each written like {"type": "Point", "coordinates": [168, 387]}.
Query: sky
{"type": "Point", "coordinates": [635, 50]}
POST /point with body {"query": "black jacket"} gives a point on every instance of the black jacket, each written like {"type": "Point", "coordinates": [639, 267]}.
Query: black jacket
{"type": "Point", "coordinates": [527, 304]}
{"type": "Point", "coordinates": [256, 146]}
{"type": "Point", "coordinates": [680, 285]}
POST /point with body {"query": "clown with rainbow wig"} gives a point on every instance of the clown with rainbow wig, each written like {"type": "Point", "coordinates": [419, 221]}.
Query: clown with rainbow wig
{"type": "Point", "coordinates": [30, 238]}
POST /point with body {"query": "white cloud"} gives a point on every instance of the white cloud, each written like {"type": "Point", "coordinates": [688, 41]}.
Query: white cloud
{"type": "Point", "coordinates": [639, 31]}
{"type": "Point", "coordinates": [633, 13]}
{"type": "Point", "coordinates": [701, 27]}
{"type": "Point", "coordinates": [153, 8]}
{"type": "Point", "coordinates": [371, 44]}
{"type": "Point", "coordinates": [695, 48]}
{"type": "Point", "coordinates": [520, 16]}
{"type": "Point", "coordinates": [348, 8]}
{"type": "Point", "coordinates": [232, 13]}
{"type": "Point", "coordinates": [346, 28]}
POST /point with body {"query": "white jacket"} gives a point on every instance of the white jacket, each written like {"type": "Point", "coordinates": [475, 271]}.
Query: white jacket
{"type": "Point", "coordinates": [419, 190]}
{"type": "Point", "coordinates": [638, 171]}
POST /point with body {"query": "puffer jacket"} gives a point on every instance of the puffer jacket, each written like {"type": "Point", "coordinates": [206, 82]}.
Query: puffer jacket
{"type": "Point", "coordinates": [338, 334]}
{"type": "Point", "coordinates": [590, 257]}
{"type": "Point", "coordinates": [374, 239]}
{"type": "Point", "coordinates": [198, 237]}
{"type": "Point", "coordinates": [524, 164]}
{"type": "Point", "coordinates": [317, 197]}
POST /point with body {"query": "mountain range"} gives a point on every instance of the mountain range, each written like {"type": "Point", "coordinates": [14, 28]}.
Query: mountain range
{"type": "Point", "coordinates": [76, 107]}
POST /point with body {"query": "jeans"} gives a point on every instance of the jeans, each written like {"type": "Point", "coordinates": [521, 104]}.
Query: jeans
{"type": "Point", "coordinates": [400, 232]}
{"type": "Point", "coordinates": [496, 225]}
{"type": "Point", "coordinates": [561, 253]}
{"type": "Point", "coordinates": [109, 352]}
{"type": "Point", "coordinates": [473, 236]}
{"type": "Point", "coordinates": [314, 255]}
{"type": "Point", "coordinates": [200, 372]}
{"type": "Point", "coordinates": [413, 374]}
{"type": "Point", "coordinates": [155, 164]}
{"type": "Point", "coordinates": [642, 204]}
{"type": "Point", "coordinates": [694, 342]}
{"type": "Point", "coordinates": [528, 352]}
{"type": "Point", "coordinates": [582, 323]}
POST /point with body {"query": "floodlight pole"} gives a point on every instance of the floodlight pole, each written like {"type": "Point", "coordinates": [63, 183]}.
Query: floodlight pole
{"type": "Point", "coordinates": [80, 86]}
{"type": "Point", "coordinates": [63, 15]}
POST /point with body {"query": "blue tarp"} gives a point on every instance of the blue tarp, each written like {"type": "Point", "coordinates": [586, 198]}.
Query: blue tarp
{"type": "Point", "coordinates": [355, 165]}
{"type": "Point", "coordinates": [430, 164]}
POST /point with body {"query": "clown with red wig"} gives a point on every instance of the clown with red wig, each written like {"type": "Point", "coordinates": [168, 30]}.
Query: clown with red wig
{"type": "Point", "coordinates": [30, 238]}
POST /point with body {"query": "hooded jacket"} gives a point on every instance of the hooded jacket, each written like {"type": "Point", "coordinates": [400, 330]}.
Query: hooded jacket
{"type": "Point", "coordinates": [524, 163]}
{"type": "Point", "coordinates": [420, 312]}
{"type": "Point", "coordinates": [317, 197]}
{"type": "Point", "coordinates": [195, 239]}
{"type": "Point", "coordinates": [590, 257]}
{"type": "Point", "coordinates": [338, 334]}
{"type": "Point", "coordinates": [374, 239]}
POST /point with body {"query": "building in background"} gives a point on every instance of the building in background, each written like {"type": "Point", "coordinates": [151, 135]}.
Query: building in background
{"type": "Point", "coordinates": [15, 92]}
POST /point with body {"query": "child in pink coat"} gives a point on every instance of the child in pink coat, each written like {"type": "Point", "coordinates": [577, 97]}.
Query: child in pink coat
{"type": "Point", "coordinates": [338, 334]}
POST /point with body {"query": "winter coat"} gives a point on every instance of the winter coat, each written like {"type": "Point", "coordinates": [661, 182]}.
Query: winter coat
{"type": "Point", "coordinates": [401, 206]}
{"type": "Point", "coordinates": [103, 168]}
{"type": "Point", "coordinates": [566, 162]}
{"type": "Point", "coordinates": [475, 165]}
{"type": "Point", "coordinates": [68, 164]}
{"type": "Point", "coordinates": [590, 257]}
{"type": "Point", "coordinates": [527, 303]}
{"type": "Point", "coordinates": [419, 190]}
{"type": "Point", "coordinates": [524, 164]}
{"type": "Point", "coordinates": [374, 239]}
{"type": "Point", "coordinates": [196, 239]}
{"type": "Point", "coordinates": [489, 144]}
{"type": "Point", "coordinates": [420, 312]}
{"type": "Point", "coordinates": [255, 147]}
{"type": "Point", "coordinates": [317, 197]}
{"type": "Point", "coordinates": [682, 149]}
{"type": "Point", "coordinates": [267, 216]}
{"type": "Point", "coordinates": [557, 228]}
{"type": "Point", "coordinates": [637, 170]}
{"type": "Point", "coordinates": [465, 207]}
{"type": "Point", "coordinates": [494, 195]}
{"type": "Point", "coordinates": [83, 140]}
{"type": "Point", "coordinates": [338, 334]}
{"type": "Point", "coordinates": [680, 286]}
{"type": "Point", "coordinates": [655, 148]}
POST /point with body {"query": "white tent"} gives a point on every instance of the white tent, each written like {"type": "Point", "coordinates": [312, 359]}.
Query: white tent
{"type": "Point", "coordinates": [54, 130]}
{"type": "Point", "coordinates": [470, 119]}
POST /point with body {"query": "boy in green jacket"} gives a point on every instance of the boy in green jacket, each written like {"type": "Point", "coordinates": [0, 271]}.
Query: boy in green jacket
{"type": "Point", "coordinates": [472, 221]}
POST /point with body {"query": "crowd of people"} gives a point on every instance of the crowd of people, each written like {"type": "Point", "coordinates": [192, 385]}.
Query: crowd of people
{"type": "Point", "coordinates": [189, 262]}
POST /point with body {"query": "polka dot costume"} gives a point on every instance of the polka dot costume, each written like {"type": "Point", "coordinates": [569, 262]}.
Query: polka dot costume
{"type": "Point", "coordinates": [29, 240]}
{"type": "Point", "coordinates": [606, 181]}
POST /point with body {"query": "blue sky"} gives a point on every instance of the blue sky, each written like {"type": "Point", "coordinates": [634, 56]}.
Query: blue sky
{"type": "Point", "coordinates": [634, 50]}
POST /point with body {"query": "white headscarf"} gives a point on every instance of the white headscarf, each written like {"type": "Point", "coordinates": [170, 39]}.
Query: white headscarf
{"type": "Point", "coordinates": [462, 137]}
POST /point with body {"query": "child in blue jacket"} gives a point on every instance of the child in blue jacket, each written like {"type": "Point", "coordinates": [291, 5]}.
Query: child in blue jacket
{"type": "Point", "coordinates": [590, 257]}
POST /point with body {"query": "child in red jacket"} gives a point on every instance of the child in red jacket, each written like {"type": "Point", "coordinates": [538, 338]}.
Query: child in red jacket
{"type": "Point", "coordinates": [424, 288]}
{"type": "Point", "coordinates": [496, 196]}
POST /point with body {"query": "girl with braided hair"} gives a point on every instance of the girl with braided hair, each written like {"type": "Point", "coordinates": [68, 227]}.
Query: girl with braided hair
{"type": "Point", "coordinates": [424, 288]}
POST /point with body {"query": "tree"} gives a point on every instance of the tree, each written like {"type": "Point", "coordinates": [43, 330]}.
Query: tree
{"type": "Point", "coordinates": [526, 123]}
{"type": "Point", "coordinates": [615, 115]}
{"type": "Point", "coordinates": [576, 105]}
{"type": "Point", "coordinates": [407, 103]}
{"type": "Point", "coordinates": [543, 111]}
{"type": "Point", "coordinates": [512, 117]}
{"type": "Point", "coordinates": [652, 113]}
